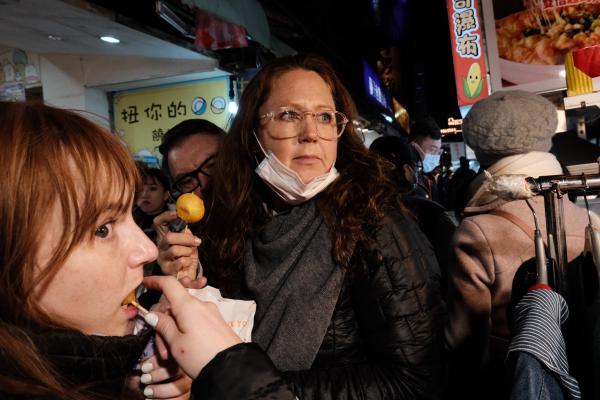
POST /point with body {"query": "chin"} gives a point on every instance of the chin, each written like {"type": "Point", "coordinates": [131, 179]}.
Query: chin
{"type": "Point", "coordinates": [306, 178]}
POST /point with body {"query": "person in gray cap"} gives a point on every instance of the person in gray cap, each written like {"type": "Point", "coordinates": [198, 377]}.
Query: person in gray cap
{"type": "Point", "coordinates": [510, 133]}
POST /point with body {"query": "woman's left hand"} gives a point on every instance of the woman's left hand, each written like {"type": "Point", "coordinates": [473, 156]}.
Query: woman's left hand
{"type": "Point", "coordinates": [162, 379]}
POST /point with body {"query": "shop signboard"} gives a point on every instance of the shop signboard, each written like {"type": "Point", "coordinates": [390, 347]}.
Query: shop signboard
{"type": "Point", "coordinates": [528, 40]}
{"type": "Point", "coordinates": [375, 90]}
{"type": "Point", "coordinates": [142, 117]}
{"type": "Point", "coordinates": [468, 53]}
{"type": "Point", "coordinates": [19, 70]}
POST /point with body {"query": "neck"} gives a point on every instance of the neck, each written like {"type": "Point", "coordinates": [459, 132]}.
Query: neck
{"type": "Point", "coordinates": [275, 203]}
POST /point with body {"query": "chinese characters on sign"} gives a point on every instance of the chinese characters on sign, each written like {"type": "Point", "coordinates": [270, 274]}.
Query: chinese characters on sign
{"type": "Point", "coordinates": [157, 135]}
{"type": "Point", "coordinates": [154, 112]}
{"type": "Point", "coordinates": [176, 109]}
{"type": "Point", "coordinates": [130, 115]}
{"type": "Point", "coordinates": [465, 22]}
{"type": "Point", "coordinates": [144, 116]}
{"type": "Point", "coordinates": [469, 62]}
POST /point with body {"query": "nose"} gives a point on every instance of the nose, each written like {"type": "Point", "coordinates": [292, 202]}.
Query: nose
{"type": "Point", "coordinates": [309, 129]}
{"type": "Point", "coordinates": [142, 250]}
{"type": "Point", "coordinates": [144, 193]}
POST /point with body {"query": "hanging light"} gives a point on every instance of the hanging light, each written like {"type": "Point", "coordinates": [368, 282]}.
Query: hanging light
{"type": "Point", "coordinates": [110, 39]}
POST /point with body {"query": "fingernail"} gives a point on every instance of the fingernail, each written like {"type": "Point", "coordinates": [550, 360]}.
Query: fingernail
{"type": "Point", "coordinates": [151, 319]}
{"type": "Point", "coordinates": [146, 378]}
{"type": "Point", "coordinates": [197, 241]}
{"type": "Point", "coordinates": [147, 367]}
{"type": "Point", "coordinates": [148, 392]}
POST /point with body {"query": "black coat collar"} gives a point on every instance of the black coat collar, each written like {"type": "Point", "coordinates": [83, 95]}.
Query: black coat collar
{"type": "Point", "coordinates": [101, 363]}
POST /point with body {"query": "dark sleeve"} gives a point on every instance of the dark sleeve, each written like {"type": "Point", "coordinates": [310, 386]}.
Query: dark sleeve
{"type": "Point", "coordinates": [400, 317]}
{"type": "Point", "coordinates": [243, 371]}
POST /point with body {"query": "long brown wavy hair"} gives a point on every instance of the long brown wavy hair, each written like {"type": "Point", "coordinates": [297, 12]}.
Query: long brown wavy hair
{"type": "Point", "coordinates": [350, 205]}
{"type": "Point", "coordinates": [48, 156]}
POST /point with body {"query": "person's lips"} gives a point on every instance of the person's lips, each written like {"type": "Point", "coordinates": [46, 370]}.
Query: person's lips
{"type": "Point", "coordinates": [308, 159]}
{"type": "Point", "coordinates": [130, 311]}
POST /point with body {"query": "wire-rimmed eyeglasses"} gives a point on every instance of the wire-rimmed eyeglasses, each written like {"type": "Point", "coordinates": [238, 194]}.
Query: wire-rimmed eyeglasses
{"type": "Point", "coordinates": [290, 122]}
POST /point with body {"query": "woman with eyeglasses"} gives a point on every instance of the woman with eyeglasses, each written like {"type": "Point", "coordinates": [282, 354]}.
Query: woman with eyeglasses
{"type": "Point", "coordinates": [307, 223]}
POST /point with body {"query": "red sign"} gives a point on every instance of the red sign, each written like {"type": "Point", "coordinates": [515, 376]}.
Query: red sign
{"type": "Point", "coordinates": [467, 51]}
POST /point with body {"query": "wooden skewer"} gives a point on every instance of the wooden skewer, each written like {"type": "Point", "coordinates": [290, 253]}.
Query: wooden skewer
{"type": "Point", "coordinates": [139, 307]}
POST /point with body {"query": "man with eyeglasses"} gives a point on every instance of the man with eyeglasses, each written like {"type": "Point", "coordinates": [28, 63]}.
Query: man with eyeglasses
{"type": "Point", "coordinates": [188, 151]}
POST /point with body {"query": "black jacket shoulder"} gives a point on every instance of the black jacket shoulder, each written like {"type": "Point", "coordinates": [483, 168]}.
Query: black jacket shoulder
{"type": "Point", "coordinates": [243, 371]}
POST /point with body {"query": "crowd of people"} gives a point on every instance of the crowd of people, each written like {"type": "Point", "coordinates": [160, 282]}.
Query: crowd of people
{"type": "Point", "coordinates": [377, 273]}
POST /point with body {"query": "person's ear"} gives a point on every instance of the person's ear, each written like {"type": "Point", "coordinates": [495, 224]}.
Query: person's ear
{"type": "Point", "coordinates": [419, 150]}
{"type": "Point", "coordinates": [166, 195]}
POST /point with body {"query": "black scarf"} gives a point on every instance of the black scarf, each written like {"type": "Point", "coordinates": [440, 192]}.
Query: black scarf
{"type": "Point", "coordinates": [291, 274]}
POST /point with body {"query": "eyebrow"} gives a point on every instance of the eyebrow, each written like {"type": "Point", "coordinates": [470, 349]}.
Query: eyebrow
{"type": "Point", "coordinates": [318, 107]}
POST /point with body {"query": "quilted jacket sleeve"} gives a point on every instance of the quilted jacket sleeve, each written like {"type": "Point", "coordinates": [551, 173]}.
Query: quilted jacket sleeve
{"type": "Point", "coordinates": [243, 371]}
{"type": "Point", "coordinates": [399, 314]}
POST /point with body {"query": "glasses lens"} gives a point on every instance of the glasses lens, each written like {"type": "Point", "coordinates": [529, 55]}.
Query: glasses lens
{"type": "Point", "coordinates": [207, 166]}
{"type": "Point", "coordinates": [187, 184]}
{"type": "Point", "coordinates": [289, 122]}
{"type": "Point", "coordinates": [340, 120]}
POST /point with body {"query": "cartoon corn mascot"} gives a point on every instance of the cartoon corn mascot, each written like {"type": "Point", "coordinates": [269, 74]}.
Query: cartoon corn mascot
{"type": "Point", "coordinates": [473, 82]}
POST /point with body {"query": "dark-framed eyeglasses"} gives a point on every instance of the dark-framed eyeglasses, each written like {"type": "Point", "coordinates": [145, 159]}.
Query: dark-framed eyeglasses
{"type": "Point", "coordinates": [289, 121]}
{"type": "Point", "coordinates": [190, 181]}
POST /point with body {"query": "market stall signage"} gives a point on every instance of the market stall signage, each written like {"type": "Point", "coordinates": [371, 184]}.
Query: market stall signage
{"type": "Point", "coordinates": [375, 89]}
{"type": "Point", "coordinates": [142, 117]}
{"type": "Point", "coordinates": [467, 51]}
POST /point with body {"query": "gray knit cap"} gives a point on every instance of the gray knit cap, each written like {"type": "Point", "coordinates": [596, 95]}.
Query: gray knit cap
{"type": "Point", "coordinates": [508, 123]}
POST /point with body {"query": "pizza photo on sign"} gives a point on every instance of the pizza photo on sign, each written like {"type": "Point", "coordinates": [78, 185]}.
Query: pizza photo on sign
{"type": "Point", "coordinates": [533, 42]}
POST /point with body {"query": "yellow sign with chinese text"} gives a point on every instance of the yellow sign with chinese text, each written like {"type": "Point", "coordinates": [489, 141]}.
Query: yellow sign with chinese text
{"type": "Point", "coordinates": [143, 116]}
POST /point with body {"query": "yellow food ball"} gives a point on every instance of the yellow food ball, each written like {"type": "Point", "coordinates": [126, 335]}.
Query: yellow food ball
{"type": "Point", "coordinates": [190, 208]}
{"type": "Point", "coordinates": [129, 299]}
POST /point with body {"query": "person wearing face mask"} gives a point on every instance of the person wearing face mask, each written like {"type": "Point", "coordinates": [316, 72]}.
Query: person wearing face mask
{"type": "Point", "coordinates": [406, 162]}
{"type": "Point", "coordinates": [432, 217]}
{"type": "Point", "coordinates": [426, 138]}
{"type": "Point", "coordinates": [308, 223]}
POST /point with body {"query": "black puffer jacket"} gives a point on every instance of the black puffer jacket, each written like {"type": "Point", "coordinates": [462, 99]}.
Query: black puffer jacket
{"type": "Point", "coordinates": [385, 337]}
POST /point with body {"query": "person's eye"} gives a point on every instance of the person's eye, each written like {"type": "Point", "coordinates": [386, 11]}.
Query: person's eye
{"type": "Point", "coordinates": [102, 231]}
{"type": "Point", "coordinates": [289, 116]}
{"type": "Point", "coordinates": [325, 117]}
{"type": "Point", "coordinates": [185, 181]}
{"type": "Point", "coordinates": [209, 166]}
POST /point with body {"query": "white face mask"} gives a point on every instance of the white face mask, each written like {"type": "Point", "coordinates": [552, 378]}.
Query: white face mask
{"type": "Point", "coordinates": [286, 183]}
{"type": "Point", "coordinates": [430, 162]}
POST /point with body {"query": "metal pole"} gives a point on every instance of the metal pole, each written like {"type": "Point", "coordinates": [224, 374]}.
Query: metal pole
{"type": "Point", "coordinates": [554, 211]}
